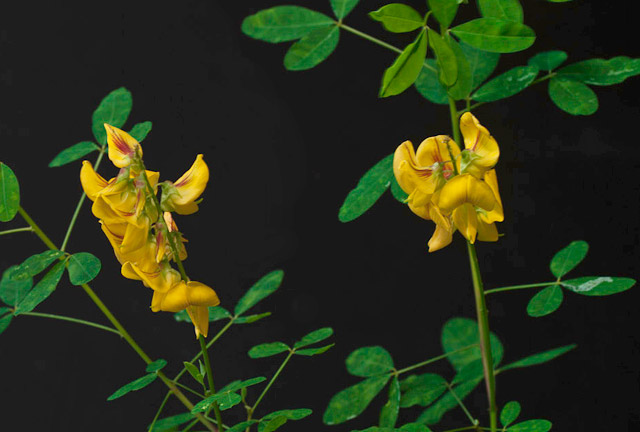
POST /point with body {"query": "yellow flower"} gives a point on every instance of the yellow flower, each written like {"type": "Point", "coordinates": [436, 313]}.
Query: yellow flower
{"type": "Point", "coordinates": [195, 297]}
{"type": "Point", "coordinates": [420, 174]}
{"type": "Point", "coordinates": [460, 197]}
{"type": "Point", "coordinates": [181, 195]}
{"type": "Point", "coordinates": [122, 146]}
{"type": "Point", "coordinates": [164, 248]}
{"type": "Point", "coordinates": [481, 149]}
{"type": "Point", "coordinates": [158, 278]}
{"type": "Point", "coordinates": [142, 256]}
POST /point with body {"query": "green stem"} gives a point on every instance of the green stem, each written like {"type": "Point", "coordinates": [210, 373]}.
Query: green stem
{"type": "Point", "coordinates": [16, 230]}
{"type": "Point", "coordinates": [473, 421]}
{"type": "Point", "coordinates": [212, 388]}
{"type": "Point", "coordinates": [433, 359]}
{"type": "Point", "coordinates": [544, 78]}
{"type": "Point", "coordinates": [73, 320]}
{"type": "Point", "coordinates": [190, 390]}
{"type": "Point", "coordinates": [155, 418]}
{"type": "Point", "coordinates": [517, 287]}
{"type": "Point", "coordinates": [190, 426]}
{"type": "Point", "coordinates": [79, 205]}
{"type": "Point", "coordinates": [122, 331]}
{"type": "Point", "coordinates": [275, 376]}
{"type": "Point", "coordinates": [485, 342]}
{"type": "Point", "coordinates": [369, 37]}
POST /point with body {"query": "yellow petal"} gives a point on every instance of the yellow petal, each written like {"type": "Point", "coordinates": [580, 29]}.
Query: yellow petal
{"type": "Point", "coordinates": [128, 205]}
{"type": "Point", "coordinates": [422, 211]}
{"type": "Point", "coordinates": [122, 146]}
{"type": "Point", "coordinates": [497, 214]}
{"type": "Point", "coordinates": [463, 189]}
{"type": "Point", "coordinates": [156, 301]}
{"type": "Point", "coordinates": [487, 232]}
{"type": "Point", "coordinates": [176, 298]}
{"type": "Point", "coordinates": [478, 140]}
{"type": "Point", "coordinates": [186, 209]}
{"type": "Point", "coordinates": [200, 318]}
{"type": "Point", "coordinates": [438, 149]}
{"type": "Point", "coordinates": [153, 177]}
{"type": "Point", "coordinates": [466, 221]}
{"type": "Point", "coordinates": [441, 237]}
{"type": "Point", "coordinates": [135, 237]}
{"type": "Point", "coordinates": [92, 182]}
{"type": "Point", "coordinates": [192, 183]}
{"type": "Point", "coordinates": [200, 294]}
{"type": "Point", "coordinates": [103, 211]}
{"type": "Point", "coordinates": [411, 176]}
{"type": "Point", "coordinates": [158, 280]}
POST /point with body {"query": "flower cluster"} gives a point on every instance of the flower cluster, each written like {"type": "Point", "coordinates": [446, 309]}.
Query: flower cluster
{"type": "Point", "coordinates": [455, 189]}
{"type": "Point", "coordinates": [141, 229]}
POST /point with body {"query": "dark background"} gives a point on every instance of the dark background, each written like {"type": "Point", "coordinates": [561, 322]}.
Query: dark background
{"type": "Point", "coordinates": [284, 149]}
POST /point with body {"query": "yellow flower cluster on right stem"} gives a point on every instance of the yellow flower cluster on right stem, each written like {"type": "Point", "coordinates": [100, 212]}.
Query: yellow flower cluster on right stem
{"type": "Point", "coordinates": [457, 190]}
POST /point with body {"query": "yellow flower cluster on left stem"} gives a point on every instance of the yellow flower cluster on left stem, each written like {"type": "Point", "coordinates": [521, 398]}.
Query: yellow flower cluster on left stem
{"type": "Point", "coordinates": [142, 232]}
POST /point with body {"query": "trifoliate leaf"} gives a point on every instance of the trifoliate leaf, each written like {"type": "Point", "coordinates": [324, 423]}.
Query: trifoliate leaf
{"type": "Point", "coordinates": [398, 18]}
{"type": "Point", "coordinates": [42, 290]}
{"type": "Point", "coordinates": [598, 285]}
{"type": "Point", "coordinates": [548, 60]}
{"type": "Point", "coordinates": [141, 130]}
{"type": "Point", "coordinates": [342, 7]}
{"type": "Point", "coordinates": [352, 401]}
{"type": "Point", "coordinates": [507, 84]}
{"type": "Point", "coordinates": [495, 35]}
{"type": "Point", "coordinates": [370, 187]}
{"type": "Point", "coordinates": [312, 49]}
{"type": "Point", "coordinates": [14, 286]}
{"type": "Point", "coordinates": [73, 153]}
{"type": "Point", "coordinates": [83, 268]}
{"type": "Point", "coordinates": [568, 258]}
{"type": "Point", "coordinates": [421, 389]}
{"type": "Point", "coordinates": [138, 384]}
{"type": "Point", "coordinates": [369, 361]}
{"type": "Point", "coordinates": [390, 410]}
{"type": "Point", "coordinates": [114, 109]}
{"type": "Point", "coordinates": [503, 9]}
{"type": "Point", "coordinates": [260, 290]}
{"type": "Point", "coordinates": [314, 337]}
{"type": "Point", "coordinates": [545, 302]}
{"type": "Point", "coordinates": [284, 23]}
{"type": "Point", "coordinates": [405, 69]}
{"type": "Point", "coordinates": [509, 413]}
{"type": "Point", "coordinates": [268, 349]}
{"type": "Point", "coordinates": [572, 96]}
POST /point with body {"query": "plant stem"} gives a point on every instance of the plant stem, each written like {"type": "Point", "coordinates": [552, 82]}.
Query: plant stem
{"type": "Point", "coordinates": [212, 388]}
{"type": "Point", "coordinates": [79, 205]}
{"type": "Point", "coordinates": [464, 408]}
{"type": "Point", "coordinates": [485, 341]}
{"type": "Point", "coordinates": [73, 320]}
{"type": "Point", "coordinates": [16, 230]}
{"type": "Point", "coordinates": [190, 390]}
{"type": "Point", "coordinates": [121, 330]}
{"type": "Point", "coordinates": [155, 418]}
{"type": "Point", "coordinates": [369, 37]}
{"type": "Point", "coordinates": [275, 376]}
{"type": "Point", "coordinates": [433, 359]}
{"type": "Point", "coordinates": [517, 287]}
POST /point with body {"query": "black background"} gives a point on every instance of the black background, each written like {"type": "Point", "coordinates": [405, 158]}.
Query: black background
{"type": "Point", "coordinates": [284, 149]}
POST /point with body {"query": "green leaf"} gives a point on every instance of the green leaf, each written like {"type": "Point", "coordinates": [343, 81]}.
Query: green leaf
{"type": "Point", "coordinates": [444, 11]}
{"type": "Point", "coordinates": [312, 49]}
{"type": "Point", "coordinates": [548, 60]}
{"type": "Point", "coordinates": [225, 401]}
{"type": "Point", "coordinates": [568, 258]}
{"type": "Point", "coordinates": [352, 401]}
{"type": "Point", "coordinates": [9, 194]}
{"type": "Point", "coordinates": [241, 427]}
{"type": "Point", "coordinates": [194, 372]}
{"type": "Point", "coordinates": [274, 424]}
{"type": "Point", "coordinates": [141, 130]}
{"type": "Point", "coordinates": [434, 413]}
{"type": "Point", "coordinates": [539, 358]}
{"type": "Point", "coordinates": [238, 385]}
{"type": "Point", "coordinates": [341, 8]}
{"type": "Point", "coordinates": [572, 96]}
{"type": "Point", "coordinates": [216, 313]}
{"type": "Point", "coordinates": [495, 35]}
{"type": "Point", "coordinates": [509, 10]}
{"type": "Point", "coordinates": [138, 384]}
{"type": "Point", "coordinates": [259, 291]}
{"type": "Point", "coordinates": [469, 372]}
{"type": "Point", "coordinates": [414, 427]}
{"type": "Point", "coordinates": [545, 302]}
{"type": "Point", "coordinates": [42, 290]}
{"type": "Point", "coordinates": [156, 365]}
{"type": "Point", "coordinates": [421, 389]}
{"type": "Point", "coordinates": [445, 58]}
{"type": "Point", "coordinates": [602, 72]}
{"type": "Point", "coordinates": [251, 318]}
{"type": "Point", "coordinates": [369, 361]}
{"type": "Point", "coordinates": [73, 153]}
{"type": "Point", "coordinates": [370, 187]}
{"type": "Point", "coordinates": [398, 18]}
{"type": "Point", "coordinates": [314, 337]}
{"type": "Point", "coordinates": [5, 321]}
{"type": "Point", "coordinates": [290, 414]}
{"type": "Point", "coordinates": [531, 426]}
{"type": "Point", "coordinates": [397, 191]}
{"type": "Point", "coordinates": [506, 84]}
{"type": "Point", "coordinates": [313, 351]}
{"type": "Point", "coordinates": [284, 23]}
{"type": "Point", "coordinates": [12, 288]}
{"type": "Point", "coordinates": [481, 63]}
{"type": "Point", "coordinates": [83, 268]}
{"type": "Point", "coordinates": [510, 413]}
{"type": "Point", "coordinates": [390, 410]}
{"type": "Point", "coordinates": [35, 264]}
{"type": "Point", "coordinates": [114, 109]}
{"type": "Point", "coordinates": [168, 423]}
{"type": "Point", "coordinates": [428, 84]}
{"type": "Point", "coordinates": [598, 285]}
{"type": "Point", "coordinates": [405, 69]}
{"type": "Point", "coordinates": [267, 349]}
{"type": "Point", "coordinates": [462, 87]}
{"type": "Point", "coordinates": [458, 333]}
